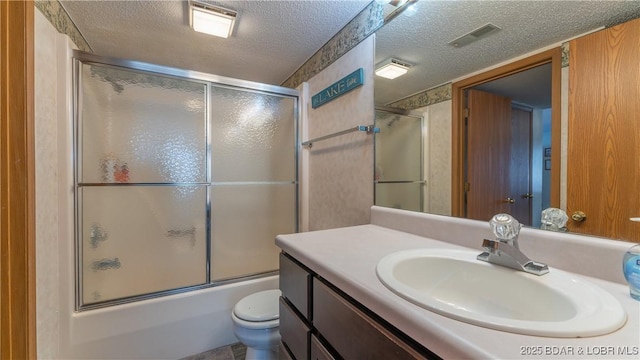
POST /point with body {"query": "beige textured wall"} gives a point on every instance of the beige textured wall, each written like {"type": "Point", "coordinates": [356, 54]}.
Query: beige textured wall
{"type": "Point", "coordinates": [438, 157]}
{"type": "Point", "coordinates": [50, 104]}
{"type": "Point", "coordinates": [340, 169]}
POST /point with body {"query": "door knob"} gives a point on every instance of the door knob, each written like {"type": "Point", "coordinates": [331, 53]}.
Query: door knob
{"type": "Point", "coordinates": [527, 196]}
{"type": "Point", "coordinates": [510, 200]}
{"type": "Point", "coordinates": [578, 216]}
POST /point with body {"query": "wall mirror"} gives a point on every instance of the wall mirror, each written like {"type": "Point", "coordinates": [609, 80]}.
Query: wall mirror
{"type": "Point", "coordinates": [444, 42]}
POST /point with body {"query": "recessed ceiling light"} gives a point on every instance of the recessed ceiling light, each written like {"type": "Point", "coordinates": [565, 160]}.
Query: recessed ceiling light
{"type": "Point", "coordinates": [210, 19]}
{"type": "Point", "coordinates": [392, 68]}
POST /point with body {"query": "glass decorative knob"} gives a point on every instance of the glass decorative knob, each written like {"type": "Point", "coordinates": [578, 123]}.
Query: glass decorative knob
{"type": "Point", "coordinates": [554, 219]}
{"type": "Point", "coordinates": [504, 226]}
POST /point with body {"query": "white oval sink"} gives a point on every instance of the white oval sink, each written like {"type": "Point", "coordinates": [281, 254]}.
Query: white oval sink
{"type": "Point", "coordinates": [454, 284]}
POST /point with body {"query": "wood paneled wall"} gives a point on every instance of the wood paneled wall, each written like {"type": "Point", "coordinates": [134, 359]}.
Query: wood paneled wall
{"type": "Point", "coordinates": [17, 182]}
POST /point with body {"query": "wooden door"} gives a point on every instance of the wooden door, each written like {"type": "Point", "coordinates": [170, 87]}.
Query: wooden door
{"type": "Point", "coordinates": [487, 155]}
{"type": "Point", "coordinates": [603, 176]}
{"type": "Point", "coordinates": [17, 183]}
{"type": "Point", "coordinates": [520, 166]}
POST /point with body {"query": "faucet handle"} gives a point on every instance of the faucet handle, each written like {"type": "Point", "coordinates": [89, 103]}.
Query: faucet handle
{"type": "Point", "coordinates": [505, 226]}
{"type": "Point", "coordinates": [554, 219]}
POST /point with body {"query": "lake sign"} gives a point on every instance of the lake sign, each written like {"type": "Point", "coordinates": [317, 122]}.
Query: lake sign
{"type": "Point", "coordinates": [338, 88]}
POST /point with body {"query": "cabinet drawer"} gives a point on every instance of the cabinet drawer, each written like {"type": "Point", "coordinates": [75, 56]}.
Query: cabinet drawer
{"type": "Point", "coordinates": [295, 284]}
{"type": "Point", "coordinates": [352, 333]}
{"type": "Point", "coordinates": [294, 332]}
{"type": "Point", "coordinates": [318, 351]}
{"type": "Point", "coordinates": [283, 354]}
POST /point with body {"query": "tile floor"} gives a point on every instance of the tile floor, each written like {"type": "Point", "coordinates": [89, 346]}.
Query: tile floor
{"type": "Point", "coordinates": [235, 351]}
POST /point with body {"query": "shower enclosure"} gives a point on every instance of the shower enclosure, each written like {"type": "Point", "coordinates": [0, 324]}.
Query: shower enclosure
{"type": "Point", "coordinates": [182, 179]}
{"type": "Point", "coordinates": [399, 175]}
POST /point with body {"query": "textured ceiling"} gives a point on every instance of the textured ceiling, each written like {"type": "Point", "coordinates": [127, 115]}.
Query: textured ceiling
{"type": "Point", "coordinates": [271, 40]}
{"type": "Point", "coordinates": [421, 37]}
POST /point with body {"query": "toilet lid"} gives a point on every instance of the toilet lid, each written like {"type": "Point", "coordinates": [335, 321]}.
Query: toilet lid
{"type": "Point", "coordinates": [261, 306]}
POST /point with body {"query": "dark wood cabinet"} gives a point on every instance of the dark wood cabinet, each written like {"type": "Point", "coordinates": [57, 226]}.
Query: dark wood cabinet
{"type": "Point", "coordinates": [319, 322]}
{"type": "Point", "coordinates": [294, 331]}
{"type": "Point", "coordinates": [352, 333]}
{"type": "Point", "coordinates": [295, 284]}
{"type": "Point", "coordinates": [319, 351]}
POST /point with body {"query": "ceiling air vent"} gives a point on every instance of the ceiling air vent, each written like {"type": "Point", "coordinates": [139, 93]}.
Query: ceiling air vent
{"type": "Point", "coordinates": [474, 35]}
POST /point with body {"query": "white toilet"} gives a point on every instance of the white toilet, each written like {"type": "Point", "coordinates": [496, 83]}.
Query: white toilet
{"type": "Point", "coordinates": [255, 322]}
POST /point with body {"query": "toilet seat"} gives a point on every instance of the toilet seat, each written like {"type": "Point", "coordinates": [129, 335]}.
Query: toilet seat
{"type": "Point", "coordinates": [258, 311]}
{"type": "Point", "coordinates": [254, 325]}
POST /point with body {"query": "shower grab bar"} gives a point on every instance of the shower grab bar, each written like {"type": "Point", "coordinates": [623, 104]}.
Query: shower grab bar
{"type": "Point", "coordinates": [370, 129]}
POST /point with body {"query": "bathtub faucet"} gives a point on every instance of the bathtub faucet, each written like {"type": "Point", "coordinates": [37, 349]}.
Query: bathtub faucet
{"type": "Point", "coordinates": [504, 250]}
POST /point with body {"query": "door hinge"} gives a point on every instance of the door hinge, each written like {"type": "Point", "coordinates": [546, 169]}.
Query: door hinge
{"type": "Point", "coordinates": [467, 187]}
{"type": "Point", "coordinates": [465, 112]}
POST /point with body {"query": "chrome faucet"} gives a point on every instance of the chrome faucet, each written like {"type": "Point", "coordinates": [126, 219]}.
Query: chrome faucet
{"type": "Point", "coordinates": [504, 250]}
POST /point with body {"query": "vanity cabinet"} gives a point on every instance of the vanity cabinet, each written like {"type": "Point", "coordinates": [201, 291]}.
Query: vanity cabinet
{"type": "Point", "coordinates": [318, 351]}
{"type": "Point", "coordinates": [319, 322]}
{"type": "Point", "coordinates": [295, 308]}
{"type": "Point", "coordinates": [294, 330]}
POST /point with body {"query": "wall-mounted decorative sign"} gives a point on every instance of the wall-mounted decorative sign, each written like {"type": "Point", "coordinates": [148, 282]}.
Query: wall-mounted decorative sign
{"type": "Point", "coordinates": [338, 88]}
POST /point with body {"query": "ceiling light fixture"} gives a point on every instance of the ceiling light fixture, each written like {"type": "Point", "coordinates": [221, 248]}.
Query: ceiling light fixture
{"type": "Point", "coordinates": [392, 68]}
{"type": "Point", "coordinates": [210, 19]}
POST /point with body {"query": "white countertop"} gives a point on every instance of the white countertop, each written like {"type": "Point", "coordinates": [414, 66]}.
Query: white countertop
{"type": "Point", "coordinates": [347, 257]}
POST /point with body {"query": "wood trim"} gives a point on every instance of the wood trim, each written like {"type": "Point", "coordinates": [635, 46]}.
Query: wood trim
{"type": "Point", "coordinates": [17, 182]}
{"type": "Point", "coordinates": [553, 56]}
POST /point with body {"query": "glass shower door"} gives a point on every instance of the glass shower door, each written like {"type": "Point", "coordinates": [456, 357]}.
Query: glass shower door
{"type": "Point", "coordinates": [182, 180]}
{"type": "Point", "coordinates": [399, 178]}
{"type": "Point", "coordinates": [141, 183]}
{"type": "Point", "coordinates": [254, 186]}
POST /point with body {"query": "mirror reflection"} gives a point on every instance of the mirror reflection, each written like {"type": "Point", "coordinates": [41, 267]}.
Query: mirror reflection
{"type": "Point", "coordinates": [436, 54]}
{"type": "Point", "coordinates": [398, 148]}
{"type": "Point", "coordinates": [509, 122]}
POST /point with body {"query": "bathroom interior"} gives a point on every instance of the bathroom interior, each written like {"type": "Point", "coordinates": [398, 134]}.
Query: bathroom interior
{"type": "Point", "coordinates": [173, 186]}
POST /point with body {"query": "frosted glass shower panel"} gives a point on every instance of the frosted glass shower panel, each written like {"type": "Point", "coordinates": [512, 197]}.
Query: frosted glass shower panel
{"type": "Point", "coordinates": [141, 239]}
{"type": "Point", "coordinates": [253, 136]}
{"type": "Point", "coordinates": [141, 128]}
{"type": "Point", "coordinates": [398, 147]}
{"type": "Point", "coordinates": [245, 220]}
{"type": "Point", "coordinates": [399, 196]}
{"type": "Point", "coordinates": [398, 175]}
